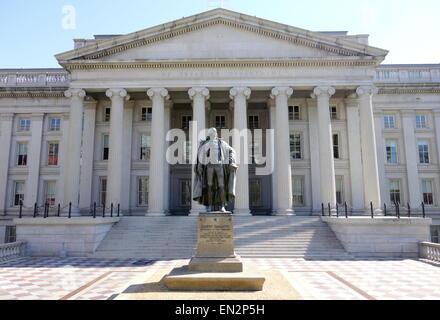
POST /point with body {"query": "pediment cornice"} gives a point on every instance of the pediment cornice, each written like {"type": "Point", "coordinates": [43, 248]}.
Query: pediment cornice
{"type": "Point", "coordinates": [215, 17]}
{"type": "Point", "coordinates": [215, 64]}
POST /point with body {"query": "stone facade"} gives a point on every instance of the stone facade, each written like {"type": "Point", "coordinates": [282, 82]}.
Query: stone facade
{"type": "Point", "coordinates": [94, 131]}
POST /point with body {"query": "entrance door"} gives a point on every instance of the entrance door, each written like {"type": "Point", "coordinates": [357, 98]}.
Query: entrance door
{"type": "Point", "coordinates": [180, 197]}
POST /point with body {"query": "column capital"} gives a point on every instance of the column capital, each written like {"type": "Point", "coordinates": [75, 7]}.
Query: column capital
{"type": "Point", "coordinates": [277, 91]}
{"type": "Point", "coordinates": [366, 91]}
{"type": "Point", "coordinates": [158, 92]}
{"type": "Point", "coordinates": [198, 91]}
{"type": "Point", "coordinates": [117, 93]}
{"type": "Point", "coordinates": [236, 91]}
{"type": "Point", "coordinates": [323, 91]}
{"type": "Point", "coordinates": [75, 93]}
{"type": "Point", "coordinates": [436, 112]}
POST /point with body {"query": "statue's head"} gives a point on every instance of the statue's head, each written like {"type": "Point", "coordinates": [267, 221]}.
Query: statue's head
{"type": "Point", "coordinates": [212, 133]}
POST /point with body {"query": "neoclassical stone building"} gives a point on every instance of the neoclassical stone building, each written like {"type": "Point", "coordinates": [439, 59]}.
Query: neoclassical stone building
{"type": "Point", "coordinates": [347, 128]}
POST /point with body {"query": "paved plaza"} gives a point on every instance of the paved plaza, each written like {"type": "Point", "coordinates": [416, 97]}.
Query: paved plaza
{"type": "Point", "coordinates": [93, 279]}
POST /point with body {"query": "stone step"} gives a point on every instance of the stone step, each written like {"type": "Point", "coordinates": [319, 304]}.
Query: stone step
{"type": "Point", "coordinates": [175, 237]}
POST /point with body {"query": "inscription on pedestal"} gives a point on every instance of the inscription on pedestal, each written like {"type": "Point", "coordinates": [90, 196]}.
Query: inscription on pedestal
{"type": "Point", "coordinates": [215, 236]}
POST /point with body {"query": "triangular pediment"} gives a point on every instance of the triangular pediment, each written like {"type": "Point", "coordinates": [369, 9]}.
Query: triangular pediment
{"type": "Point", "coordinates": [220, 34]}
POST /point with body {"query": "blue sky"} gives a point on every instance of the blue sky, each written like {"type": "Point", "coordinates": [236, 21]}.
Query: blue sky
{"type": "Point", "coordinates": [31, 31]}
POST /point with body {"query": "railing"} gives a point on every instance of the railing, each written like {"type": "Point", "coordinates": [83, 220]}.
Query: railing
{"type": "Point", "coordinates": [47, 210]}
{"type": "Point", "coordinates": [34, 78]}
{"type": "Point", "coordinates": [396, 210]}
{"type": "Point", "coordinates": [430, 251]}
{"type": "Point", "coordinates": [396, 73]}
{"type": "Point", "coordinates": [12, 250]}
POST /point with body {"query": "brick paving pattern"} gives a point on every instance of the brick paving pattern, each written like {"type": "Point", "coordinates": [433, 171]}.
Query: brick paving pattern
{"type": "Point", "coordinates": [94, 279]}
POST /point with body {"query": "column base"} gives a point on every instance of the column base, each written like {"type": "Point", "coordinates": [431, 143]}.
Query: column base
{"type": "Point", "coordinates": [285, 212]}
{"type": "Point", "coordinates": [242, 213]}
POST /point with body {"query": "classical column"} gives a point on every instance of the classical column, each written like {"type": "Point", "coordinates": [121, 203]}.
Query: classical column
{"type": "Point", "coordinates": [326, 158]}
{"type": "Point", "coordinates": [368, 144]}
{"type": "Point", "coordinates": [166, 188]}
{"type": "Point", "coordinates": [199, 96]}
{"type": "Point", "coordinates": [72, 166]}
{"type": "Point", "coordinates": [63, 163]}
{"type": "Point", "coordinates": [116, 143]}
{"type": "Point", "coordinates": [126, 161]}
{"type": "Point", "coordinates": [273, 125]}
{"type": "Point", "coordinates": [240, 143]}
{"type": "Point", "coordinates": [315, 172]}
{"type": "Point", "coordinates": [283, 165]}
{"type": "Point", "coordinates": [158, 157]}
{"type": "Point", "coordinates": [85, 193]}
{"type": "Point", "coordinates": [411, 153]}
{"type": "Point", "coordinates": [381, 155]}
{"type": "Point", "coordinates": [6, 121]}
{"type": "Point", "coordinates": [437, 131]}
{"type": "Point", "coordinates": [355, 155]}
{"type": "Point", "coordinates": [33, 180]}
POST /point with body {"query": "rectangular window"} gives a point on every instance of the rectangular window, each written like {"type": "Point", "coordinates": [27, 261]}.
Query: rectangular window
{"type": "Point", "coordinates": [10, 234]}
{"type": "Point", "coordinates": [297, 191]}
{"type": "Point", "coordinates": [185, 122]}
{"type": "Point", "coordinates": [22, 154]}
{"type": "Point", "coordinates": [391, 149]}
{"type": "Point", "coordinates": [107, 114]}
{"type": "Point", "coordinates": [254, 122]}
{"type": "Point", "coordinates": [420, 122]}
{"type": "Point", "coordinates": [24, 125]}
{"type": "Point", "coordinates": [423, 147]}
{"type": "Point", "coordinates": [295, 146]}
{"type": "Point", "coordinates": [255, 192]}
{"type": "Point", "coordinates": [50, 192]}
{"type": "Point", "coordinates": [333, 112]}
{"type": "Point", "coordinates": [52, 157]}
{"type": "Point", "coordinates": [339, 181]}
{"type": "Point", "coordinates": [18, 192]}
{"type": "Point", "coordinates": [427, 192]}
{"type": "Point", "coordinates": [144, 148]}
{"type": "Point", "coordinates": [435, 234]}
{"type": "Point", "coordinates": [389, 122]}
{"type": "Point", "coordinates": [294, 113]}
{"type": "Point", "coordinates": [106, 147]}
{"type": "Point", "coordinates": [220, 122]}
{"type": "Point", "coordinates": [395, 191]}
{"type": "Point", "coordinates": [102, 191]}
{"type": "Point", "coordinates": [336, 151]}
{"type": "Point", "coordinates": [54, 124]}
{"type": "Point", "coordinates": [142, 192]}
{"type": "Point", "coordinates": [146, 114]}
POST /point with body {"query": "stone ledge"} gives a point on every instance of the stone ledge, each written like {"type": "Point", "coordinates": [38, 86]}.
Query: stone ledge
{"type": "Point", "coordinates": [386, 237]}
{"type": "Point", "coordinates": [367, 220]}
{"type": "Point", "coordinates": [183, 279]}
{"type": "Point", "coordinates": [88, 221]}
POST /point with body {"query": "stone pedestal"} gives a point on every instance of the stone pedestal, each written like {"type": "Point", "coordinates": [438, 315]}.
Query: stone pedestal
{"type": "Point", "coordinates": [215, 266]}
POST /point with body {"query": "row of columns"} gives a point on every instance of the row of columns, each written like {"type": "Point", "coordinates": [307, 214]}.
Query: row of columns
{"type": "Point", "coordinates": [363, 164]}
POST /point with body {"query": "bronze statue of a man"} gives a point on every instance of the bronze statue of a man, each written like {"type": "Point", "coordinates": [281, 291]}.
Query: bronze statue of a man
{"type": "Point", "coordinates": [214, 183]}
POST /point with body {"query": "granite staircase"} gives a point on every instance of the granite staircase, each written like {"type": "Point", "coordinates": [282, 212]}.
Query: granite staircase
{"type": "Point", "coordinates": [257, 237]}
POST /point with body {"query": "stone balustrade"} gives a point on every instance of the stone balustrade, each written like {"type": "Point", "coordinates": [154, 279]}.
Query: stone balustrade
{"type": "Point", "coordinates": [429, 250]}
{"type": "Point", "coordinates": [11, 250]}
{"type": "Point", "coordinates": [397, 73]}
{"type": "Point", "coordinates": [30, 78]}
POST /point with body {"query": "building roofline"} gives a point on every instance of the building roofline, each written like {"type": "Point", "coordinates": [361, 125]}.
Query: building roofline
{"type": "Point", "coordinates": [411, 65]}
